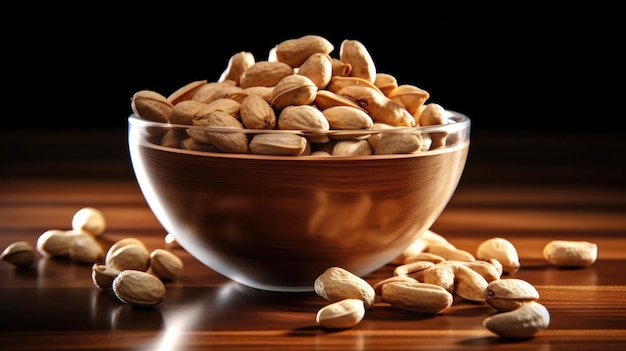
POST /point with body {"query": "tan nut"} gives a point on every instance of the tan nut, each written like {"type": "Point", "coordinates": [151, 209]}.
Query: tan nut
{"type": "Point", "coordinates": [346, 117]}
{"type": "Point", "coordinates": [457, 279]}
{"type": "Point", "coordinates": [264, 73]}
{"type": "Point", "coordinates": [318, 68]}
{"type": "Point", "coordinates": [486, 269]}
{"type": "Point", "coordinates": [295, 51]}
{"type": "Point", "coordinates": [509, 294]}
{"type": "Point", "coordinates": [524, 322]}
{"type": "Point", "coordinates": [305, 118]}
{"type": "Point", "coordinates": [429, 115]}
{"type": "Point", "coordinates": [186, 92]}
{"type": "Point", "coordinates": [441, 275]}
{"type": "Point", "coordinates": [85, 249]}
{"type": "Point", "coordinates": [449, 252]}
{"type": "Point", "coordinates": [132, 256]}
{"type": "Point", "coordinates": [374, 138]}
{"type": "Point", "coordinates": [19, 254]}
{"type": "Point", "coordinates": [278, 144]}
{"type": "Point", "coordinates": [341, 314]}
{"type": "Point", "coordinates": [570, 253]}
{"type": "Point", "coordinates": [184, 111]}
{"type": "Point", "coordinates": [264, 92]}
{"type": "Point", "coordinates": [336, 284]}
{"type": "Point", "coordinates": [417, 297]}
{"type": "Point", "coordinates": [337, 83]}
{"type": "Point", "coordinates": [469, 284]}
{"type": "Point", "coordinates": [233, 142]}
{"type": "Point", "coordinates": [415, 269]}
{"type": "Point", "coordinates": [256, 113]}
{"type": "Point", "coordinates": [89, 219]}
{"type": "Point", "coordinates": [378, 286]}
{"type": "Point", "coordinates": [378, 106]}
{"type": "Point", "coordinates": [293, 90]}
{"type": "Point", "coordinates": [237, 64]}
{"type": "Point", "coordinates": [502, 250]}
{"type": "Point", "coordinates": [385, 82]}
{"type": "Point", "coordinates": [215, 90]}
{"type": "Point", "coordinates": [56, 242]}
{"type": "Point", "coordinates": [340, 69]}
{"type": "Point", "coordinates": [138, 288]}
{"type": "Point", "coordinates": [151, 106]}
{"type": "Point", "coordinates": [325, 99]}
{"type": "Point", "coordinates": [351, 148]}
{"type": "Point", "coordinates": [354, 53]}
{"type": "Point", "coordinates": [102, 276]}
{"type": "Point", "coordinates": [409, 96]}
{"type": "Point", "coordinates": [165, 264]}
{"type": "Point", "coordinates": [397, 143]}
{"type": "Point", "coordinates": [121, 243]}
{"type": "Point", "coordinates": [223, 104]}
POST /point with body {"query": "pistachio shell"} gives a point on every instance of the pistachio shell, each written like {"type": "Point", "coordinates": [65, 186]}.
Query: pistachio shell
{"type": "Point", "coordinates": [278, 144]}
{"type": "Point", "coordinates": [409, 96]}
{"type": "Point", "coordinates": [151, 106]}
{"type": "Point", "coordinates": [235, 142]}
{"type": "Point", "coordinates": [264, 73]}
{"type": "Point", "coordinates": [355, 53]}
{"type": "Point", "coordinates": [293, 90]}
{"type": "Point", "coordinates": [295, 51]}
{"type": "Point", "coordinates": [338, 83]}
{"type": "Point", "coordinates": [186, 92]}
{"type": "Point", "coordinates": [256, 113]}
{"type": "Point", "coordinates": [318, 67]}
{"type": "Point", "coordinates": [237, 64]}
{"type": "Point", "coordinates": [325, 99]}
{"type": "Point", "coordinates": [306, 118]}
{"type": "Point", "coordinates": [385, 82]}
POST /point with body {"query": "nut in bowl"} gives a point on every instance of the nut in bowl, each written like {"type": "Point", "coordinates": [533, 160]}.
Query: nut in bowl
{"type": "Point", "coordinates": [270, 193]}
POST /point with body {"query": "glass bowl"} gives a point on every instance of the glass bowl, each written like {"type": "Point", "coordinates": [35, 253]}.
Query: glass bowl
{"type": "Point", "coordinates": [276, 222]}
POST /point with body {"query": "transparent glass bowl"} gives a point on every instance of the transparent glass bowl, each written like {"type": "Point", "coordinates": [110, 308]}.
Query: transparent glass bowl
{"type": "Point", "coordinates": [277, 222]}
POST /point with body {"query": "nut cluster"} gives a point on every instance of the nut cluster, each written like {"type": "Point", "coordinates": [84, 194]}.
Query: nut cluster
{"type": "Point", "coordinates": [431, 272]}
{"type": "Point", "coordinates": [335, 105]}
{"type": "Point", "coordinates": [134, 273]}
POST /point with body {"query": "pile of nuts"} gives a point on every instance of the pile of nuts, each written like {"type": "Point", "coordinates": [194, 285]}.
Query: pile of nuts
{"type": "Point", "coordinates": [331, 103]}
{"type": "Point", "coordinates": [134, 273]}
{"type": "Point", "coordinates": [432, 271]}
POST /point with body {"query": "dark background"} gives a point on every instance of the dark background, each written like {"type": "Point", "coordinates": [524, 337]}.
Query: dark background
{"type": "Point", "coordinates": [519, 67]}
{"type": "Point", "coordinates": [543, 85]}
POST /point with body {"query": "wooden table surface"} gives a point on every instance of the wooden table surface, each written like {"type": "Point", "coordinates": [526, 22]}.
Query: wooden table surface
{"type": "Point", "coordinates": [524, 187]}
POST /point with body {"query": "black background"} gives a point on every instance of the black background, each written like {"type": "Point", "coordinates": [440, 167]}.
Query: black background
{"type": "Point", "coordinates": [518, 67]}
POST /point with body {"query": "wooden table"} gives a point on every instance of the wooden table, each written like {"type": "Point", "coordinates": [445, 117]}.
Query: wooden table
{"type": "Point", "coordinates": [527, 188]}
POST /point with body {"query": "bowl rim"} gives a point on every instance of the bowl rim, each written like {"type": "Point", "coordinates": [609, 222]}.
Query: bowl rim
{"type": "Point", "coordinates": [456, 121]}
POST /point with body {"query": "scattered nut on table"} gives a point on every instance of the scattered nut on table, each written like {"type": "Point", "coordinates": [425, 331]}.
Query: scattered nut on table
{"type": "Point", "coordinates": [19, 254]}
{"type": "Point", "coordinates": [523, 322]}
{"type": "Point", "coordinates": [341, 314]}
{"type": "Point", "coordinates": [571, 253]}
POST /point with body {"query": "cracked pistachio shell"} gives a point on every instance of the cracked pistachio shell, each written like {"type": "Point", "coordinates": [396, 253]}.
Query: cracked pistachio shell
{"type": "Point", "coordinates": [186, 92]}
{"type": "Point", "coordinates": [356, 54]}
